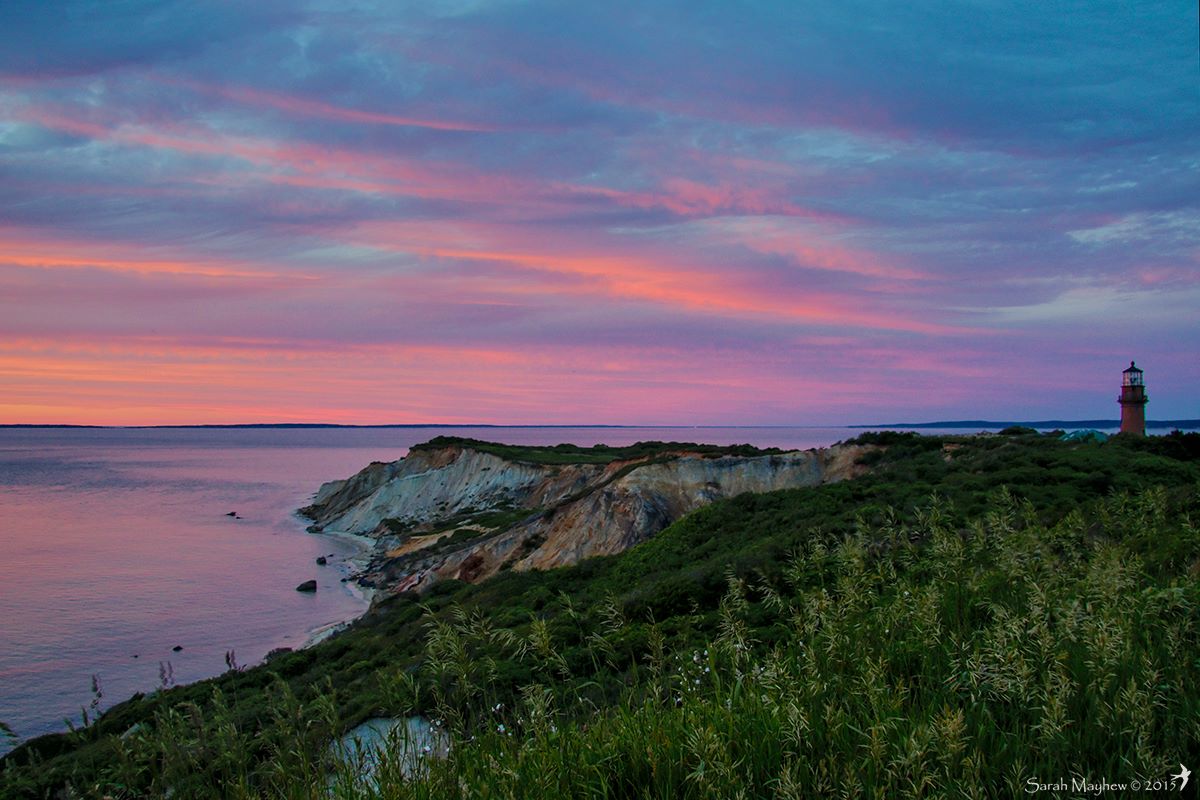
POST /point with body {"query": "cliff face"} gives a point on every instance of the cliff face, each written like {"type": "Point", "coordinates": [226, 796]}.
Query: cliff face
{"type": "Point", "coordinates": [431, 486]}
{"type": "Point", "coordinates": [457, 512]}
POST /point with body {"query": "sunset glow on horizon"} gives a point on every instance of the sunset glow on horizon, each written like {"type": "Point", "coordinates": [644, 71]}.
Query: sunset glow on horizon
{"type": "Point", "coordinates": [648, 213]}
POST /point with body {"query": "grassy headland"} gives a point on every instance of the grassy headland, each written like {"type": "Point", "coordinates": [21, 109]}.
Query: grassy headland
{"type": "Point", "coordinates": [597, 454]}
{"type": "Point", "coordinates": [975, 613]}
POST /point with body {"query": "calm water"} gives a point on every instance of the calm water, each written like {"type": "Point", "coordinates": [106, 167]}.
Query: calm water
{"type": "Point", "coordinates": [115, 547]}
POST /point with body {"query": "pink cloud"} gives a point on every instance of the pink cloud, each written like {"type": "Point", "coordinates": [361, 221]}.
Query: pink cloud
{"type": "Point", "coordinates": [23, 249]}
{"type": "Point", "coordinates": [166, 380]}
{"type": "Point", "coordinates": [655, 277]}
{"type": "Point", "coordinates": [325, 167]}
{"type": "Point", "coordinates": [313, 108]}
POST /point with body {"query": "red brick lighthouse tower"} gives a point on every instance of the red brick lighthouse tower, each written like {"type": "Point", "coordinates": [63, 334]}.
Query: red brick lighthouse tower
{"type": "Point", "coordinates": [1133, 401]}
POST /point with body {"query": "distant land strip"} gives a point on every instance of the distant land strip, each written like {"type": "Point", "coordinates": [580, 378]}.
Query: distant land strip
{"type": "Point", "coordinates": [1045, 423]}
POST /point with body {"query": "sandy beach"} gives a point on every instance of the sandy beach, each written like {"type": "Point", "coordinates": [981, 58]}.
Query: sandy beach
{"type": "Point", "coordinates": [351, 565]}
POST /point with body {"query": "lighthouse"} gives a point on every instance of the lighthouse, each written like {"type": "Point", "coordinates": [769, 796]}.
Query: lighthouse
{"type": "Point", "coordinates": [1133, 401]}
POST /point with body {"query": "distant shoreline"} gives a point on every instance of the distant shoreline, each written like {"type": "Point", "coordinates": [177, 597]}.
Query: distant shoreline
{"type": "Point", "coordinates": [962, 423]}
{"type": "Point", "coordinates": [1049, 424]}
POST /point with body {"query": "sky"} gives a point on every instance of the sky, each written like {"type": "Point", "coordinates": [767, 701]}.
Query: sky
{"type": "Point", "coordinates": [454, 211]}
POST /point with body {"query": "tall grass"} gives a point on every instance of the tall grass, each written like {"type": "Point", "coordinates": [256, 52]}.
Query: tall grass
{"type": "Point", "coordinates": [921, 661]}
{"type": "Point", "coordinates": [915, 657]}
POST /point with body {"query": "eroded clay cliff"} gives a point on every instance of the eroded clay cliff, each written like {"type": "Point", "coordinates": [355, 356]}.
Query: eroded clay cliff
{"type": "Point", "coordinates": [458, 512]}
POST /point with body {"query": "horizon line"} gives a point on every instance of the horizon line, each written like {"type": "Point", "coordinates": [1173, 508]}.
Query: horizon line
{"type": "Point", "coordinates": [1045, 423]}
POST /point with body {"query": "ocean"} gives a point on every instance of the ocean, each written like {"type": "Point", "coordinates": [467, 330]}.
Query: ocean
{"type": "Point", "coordinates": [121, 571]}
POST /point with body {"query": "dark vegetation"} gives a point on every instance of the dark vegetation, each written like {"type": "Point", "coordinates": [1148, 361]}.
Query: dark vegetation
{"type": "Point", "coordinates": [597, 454]}
{"type": "Point", "coordinates": [493, 520]}
{"type": "Point", "coordinates": [974, 612]}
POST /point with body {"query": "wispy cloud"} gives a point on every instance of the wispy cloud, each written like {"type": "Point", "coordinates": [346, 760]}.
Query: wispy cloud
{"type": "Point", "coordinates": [258, 98]}
{"type": "Point", "coordinates": [641, 212]}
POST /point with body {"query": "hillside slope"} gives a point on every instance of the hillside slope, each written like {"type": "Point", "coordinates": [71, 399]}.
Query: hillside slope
{"type": "Point", "coordinates": [974, 612]}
